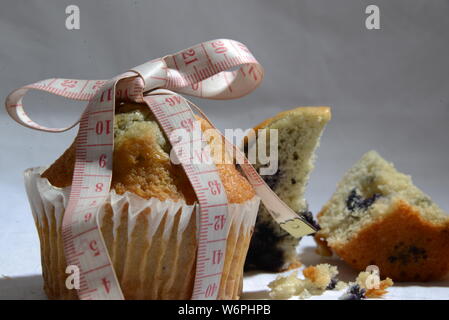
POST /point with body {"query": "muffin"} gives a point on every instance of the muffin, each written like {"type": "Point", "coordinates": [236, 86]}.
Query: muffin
{"type": "Point", "coordinates": [299, 132]}
{"type": "Point", "coordinates": [378, 217]}
{"type": "Point", "coordinates": [149, 219]}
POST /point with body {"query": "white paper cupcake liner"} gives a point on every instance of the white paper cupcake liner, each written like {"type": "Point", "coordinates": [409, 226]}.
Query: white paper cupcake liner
{"type": "Point", "coordinates": [152, 243]}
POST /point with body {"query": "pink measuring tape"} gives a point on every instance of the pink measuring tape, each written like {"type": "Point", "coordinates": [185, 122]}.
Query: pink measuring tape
{"type": "Point", "coordinates": [202, 71]}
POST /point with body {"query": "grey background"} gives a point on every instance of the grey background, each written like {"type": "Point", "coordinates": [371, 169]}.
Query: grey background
{"type": "Point", "coordinates": [388, 88]}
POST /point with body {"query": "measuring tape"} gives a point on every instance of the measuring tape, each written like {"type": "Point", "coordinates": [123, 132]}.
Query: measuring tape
{"type": "Point", "coordinates": [203, 71]}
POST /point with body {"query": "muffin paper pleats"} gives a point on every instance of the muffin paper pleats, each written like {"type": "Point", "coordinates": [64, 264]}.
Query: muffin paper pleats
{"type": "Point", "coordinates": [152, 243]}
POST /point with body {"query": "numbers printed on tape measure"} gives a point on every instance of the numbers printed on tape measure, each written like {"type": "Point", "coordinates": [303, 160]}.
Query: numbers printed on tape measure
{"type": "Point", "coordinates": [69, 83]}
{"type": "Point", "coordinates": [93, 246]}
{"type": "Point", "coordinates": [106, 95]}
{"type": "Point", "coordinates": [88, 216]}
{"type": "Point", "coordinates": [99, 187]}
{"type": "Point", "coordinates": [189, 56]}
{"type": "Point", "coordinates": [102, 160]}
{"type": "Point", "coordinates": [215, 187]}
{"type": "Point", "coordinates": [106, 284]}
{"type": "Point", "coordinates": [174, 100]}
{"type": "Point", "coordinates": [103, 127]}
{"type": "Point", "coordinates": [211, 290]}
{"type": "Point", "coordinates": [207, 186]}
{"type": "Point", "coordinates": [219, 222]}
{"type": "Point", "coordinates": [187, 124]}
{"type": "Point", "coordinates": [98, 84]}
{"type": "Point", "coordinates": [217, 255]}
{"type": "Point", "coordinates": [202, 156]}
{"type": "Point", "coordinates": [219, 46]}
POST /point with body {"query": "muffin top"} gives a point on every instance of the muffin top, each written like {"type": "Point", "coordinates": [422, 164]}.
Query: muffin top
{"type": "Point", "coordinates": [142, 165]}
{"type": "Point", "coordinates": [321, 112]}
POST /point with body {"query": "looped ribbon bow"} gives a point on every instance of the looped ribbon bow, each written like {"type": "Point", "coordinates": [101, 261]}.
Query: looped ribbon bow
{"type": "Point", "coordinates": [217, 69]}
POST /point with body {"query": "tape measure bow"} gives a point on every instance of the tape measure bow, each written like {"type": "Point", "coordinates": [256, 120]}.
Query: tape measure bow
{"type": "Point", "coordinates": [204, 70]}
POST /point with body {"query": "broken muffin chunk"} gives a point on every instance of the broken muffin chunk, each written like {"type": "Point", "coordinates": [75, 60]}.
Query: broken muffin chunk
{"type": "Point", "coordinates": [299, 132]}
{"type": "Point", "coordinates": [378, 217]}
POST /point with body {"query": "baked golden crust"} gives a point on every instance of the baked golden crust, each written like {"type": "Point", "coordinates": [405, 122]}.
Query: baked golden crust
{"type": "Point", "coordinates": [142, 167]}
{"type": "Point", "coordinates": [321, 111]}
{"type": "Point", "coordinates": [403, 245]}
{"type": "Point", "coordinates": [381, 291]}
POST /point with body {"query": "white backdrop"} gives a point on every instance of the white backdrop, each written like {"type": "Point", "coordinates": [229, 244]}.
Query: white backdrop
{"type": "Point", "coordinates": [388, 88]}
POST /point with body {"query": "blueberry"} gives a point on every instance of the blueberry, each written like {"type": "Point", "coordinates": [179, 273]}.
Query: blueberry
{"type": "Point", "coordinates": [264, 252]}
{"type": "Point", "coordinates": [353, 200]}
{"type": "Point", "coordinates": [273, 180]}
{"type": "Point", "coordinates": [407, 254]}
{"type": "Point", "coordinates": [332, 284]}
{"type": "Point", "coordinates": [392, 259]}
{"type": "Point", "coordinates": [354, 293]}
{"type": "Point", "coordinates": [356, 201]}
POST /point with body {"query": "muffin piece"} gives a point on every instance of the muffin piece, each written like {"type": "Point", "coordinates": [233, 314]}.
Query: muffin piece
{"type": "Point", "coordinates": [299, 132]}
{"type": "Point", "coordinates": [148, 229]}
{"type": "Point", "coordinates": [378, 217]}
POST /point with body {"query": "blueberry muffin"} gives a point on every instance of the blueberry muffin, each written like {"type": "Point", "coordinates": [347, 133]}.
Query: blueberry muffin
{"type": "Point", "coordinates": [299, 132]}
{"type": "Point", "coordinates": [149, 221]}
{"type": "Point", "coordinates": [378, 217]}
{"type": "Point", "coordinates": [142, 165]}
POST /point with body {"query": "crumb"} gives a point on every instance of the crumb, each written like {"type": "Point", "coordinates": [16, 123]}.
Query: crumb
{"type": "Point", "coordinates": [340, 285]}
{"type": "Point", "coordinates": [376, 293]}
{"type": "Point", "coordinates": [286, 287]}
{"type": "Point", "coordinates": [294, 265]}
{"type": "Point", "coordinates": [365, 283]}
{"type": "Point", "coordinates": [321, 275]}
{"type": "Point", "coordinates": [318, 279]}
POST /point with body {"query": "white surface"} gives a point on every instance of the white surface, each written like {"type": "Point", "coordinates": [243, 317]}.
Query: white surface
{"type": "Point", "coordinates": [29, 285]}
{"type": "Point", "coordinates": [388, 90]}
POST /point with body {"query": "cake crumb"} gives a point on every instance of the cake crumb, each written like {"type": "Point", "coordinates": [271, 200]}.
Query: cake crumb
{"type": "Point", "coordinates": [323, 277]}
{"type": "Point", "coordinates": [318, 279]}
{"type": "Point", "coordinates": [340, 285]}
{"type": "Point", "coordinates": [294, 265]}
{"type": "Point", "coordinates": [364, 282]}
{"type": "Point", "coordinates": [286, 287]}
